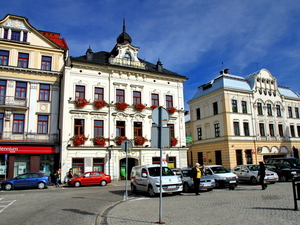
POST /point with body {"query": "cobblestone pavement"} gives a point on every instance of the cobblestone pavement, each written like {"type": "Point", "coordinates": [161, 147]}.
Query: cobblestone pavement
{"type": "Point", "coordinates": [247, 204]}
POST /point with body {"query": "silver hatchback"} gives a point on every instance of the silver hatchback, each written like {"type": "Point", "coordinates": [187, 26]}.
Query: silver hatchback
{"type": "Point", "coordinates": [249, 173]}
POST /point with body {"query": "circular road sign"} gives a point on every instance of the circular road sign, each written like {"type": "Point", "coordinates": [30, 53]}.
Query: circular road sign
{"type": "Point", "coordinates": [164, 116]}
{"type": "Point", "coordinates": [129, 145]}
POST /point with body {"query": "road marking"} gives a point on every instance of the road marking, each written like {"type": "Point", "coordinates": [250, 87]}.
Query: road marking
{"type": "Point", "coordinates": [5, 205]}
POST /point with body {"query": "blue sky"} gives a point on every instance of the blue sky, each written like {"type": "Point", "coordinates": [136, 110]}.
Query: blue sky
{"type": "Point", "coordinates": [190, 37]}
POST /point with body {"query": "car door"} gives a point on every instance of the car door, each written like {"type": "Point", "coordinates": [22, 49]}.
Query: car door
{"type": "Point", "coordinates": [33, 180]}
{"type": "Point", "coordinates": [87, 179]}
{"type": "Point", "coordinates": [244, 174]}
{"type": "Point", "coordinates": [97, 178]}
{"type": "Point", "coordinates": [21, 180]}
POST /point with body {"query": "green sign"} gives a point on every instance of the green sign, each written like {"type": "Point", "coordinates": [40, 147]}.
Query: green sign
{"type": "Point", "coordinates": [189, 139]}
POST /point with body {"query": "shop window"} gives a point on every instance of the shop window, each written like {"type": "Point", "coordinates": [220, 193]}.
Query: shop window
{"type": "Point", "coordinates": [21, 164]}
{"type": "Point", "coordinates": [44, 92]}
{"type": "Point", "coordinates": [172, 162]}
{"type": "Point", "coordinates": [46, 63]}
{"type": "Point", "coordinates": [99, 92]}
{"type": "Point", "coordinates": [155, 160]}
{"type": "Point", "coordinates": [137, 97]}
{"type": "Point", "coordinates": [47, 164]}
{"type": "Point", "coordinates": [78, 166]}
{"type": "Point", "coordinates": [98, 164]}
{"type": "Point", "coordinates": [79, 91]}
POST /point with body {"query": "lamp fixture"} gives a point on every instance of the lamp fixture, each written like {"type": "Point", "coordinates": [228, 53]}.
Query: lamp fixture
{"type": "Point", "coordinates": [146, 146]}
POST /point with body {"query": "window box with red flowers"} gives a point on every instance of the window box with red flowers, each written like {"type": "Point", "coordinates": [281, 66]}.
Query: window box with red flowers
{"type": "Point", "coordinates": [173, 141]}
{"type": "Point", "coordinates": [121, 105]}
{"type": "Point", "coordinates": [139, 106]}
{"type": "Point", "coordinates": [100, 104]}
{"type": "Point", "coordinates": [79, 139]}
{"type": "Point", "coordinates": [171, 110]}
{"type": "Point", "coordinates": [139, 140]}
{"type": "Point", "coordinates": [81, 102]}
{"type": "Point", "coordinates": [153, 106]}
{"type": "Point", "coordinates": [120, 139]}
{"type": "Point", "coordinates": [100, 141]}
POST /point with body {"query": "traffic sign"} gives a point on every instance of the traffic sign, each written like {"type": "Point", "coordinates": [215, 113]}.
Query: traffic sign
{"type": "Point", "coordinates": [126, 146]}
{"type": "Point", "coordinates": [160, 116]}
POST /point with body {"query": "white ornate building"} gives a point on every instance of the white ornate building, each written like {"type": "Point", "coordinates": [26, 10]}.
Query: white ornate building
{"type": "Point", "coordinates": [240, 120]}
{"type": "Point", "coordinates": [118, 76]}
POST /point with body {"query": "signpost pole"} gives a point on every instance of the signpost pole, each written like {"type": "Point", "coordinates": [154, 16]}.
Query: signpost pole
{"type": "Point", "coordinates": [160, 146]}
{"type": "Point", "coordinates": [126, 150]}
{"type": "Point", "coordinates": [6, 156]}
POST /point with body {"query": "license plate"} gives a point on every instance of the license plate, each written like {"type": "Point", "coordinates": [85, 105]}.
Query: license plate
{"type": "Point", "coordinates": [232, 181]}
{"type": "Point", "coordinates": [269, 178]}
{"type": "Point", "coordinates": [203, 185]}
{"type": "Point", "coordinates": [171, 187]}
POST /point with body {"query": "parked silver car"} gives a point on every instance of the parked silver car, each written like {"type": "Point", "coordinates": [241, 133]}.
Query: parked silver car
{"type": "Point", "coordinates": [206, 183]}
{"type": "Point", "coordinates": [249, 173]}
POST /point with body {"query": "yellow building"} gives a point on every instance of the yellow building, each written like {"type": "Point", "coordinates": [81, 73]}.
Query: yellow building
{"type": "Point", "coordinates": [239, 120]}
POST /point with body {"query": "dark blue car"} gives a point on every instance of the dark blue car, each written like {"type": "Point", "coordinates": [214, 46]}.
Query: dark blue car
{"type": "Point", "coordinates": [26, 180]}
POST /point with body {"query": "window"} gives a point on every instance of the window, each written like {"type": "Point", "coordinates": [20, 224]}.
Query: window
{"type": "Point", "coordinates": [262, 129]}
{"type": "Point", "coordinates": [137, 97]}
{"type": "Point", "coordinates": [98, 164]}
{"type": "Point", "coordinates": [78, 126]}
{"type": "Point", "coordinates": [269, 109]}
{"type": "Point", "coordinates": [246, 129]}
{"type": "Point", "coordinates": [271, 129]}
{"type": "Point", "coordinates": [98, 128]}
{"type": "Point", "coordinates": [199, 131]}
{"type": "Point", "coordinates": [217, 130]}
{"type": "Point", "coordinates": [236, 127]}
{"type": "Point", "coordinates": [155, 160]}
{"type": "Point", "coordinates": [4, 57]}
{"type": "Point", "coordinates": [198, 115]}
{"type": "Point", "coordinates": [248, 154]}
{"type": "Point", "coordinates": [127, 56]}
{"type": "Point", "coordinates": [280, 130]}
{"type": "Point", "coordinates": [79, 91]}
{"type": "Point", "coordinates": [292, 130]}
{"type": "Point", "coordinates": [44, 92]}
{"type": "Point", "coordinates": [120, 128]}
{"type": "Point", "coordinates": [297, 112]}
{"type": "Point", "coordinates": [244, 107]}
{"type": "Point", "coordinates": [259, 109]}
{"type": "Point", "coordinates": [46, 63]}
{"type": "Point", "coordinates": [99, 92]}
{"type": "Point", "coordinates": [18, 126]}
{"type": "Point", "coordinates": [2, 91]}
{"type": "Point", "coordinates": [21, 89]}
{"type": "Point", "coordinates": [215, 108]}
{"type": "Point", "coordinates": [42, 124]}
{"type": "Point", "coordinates": [298, 131]}
{"type": "Point", "coordinates": [1, 122]}
{"type": "Point", "coordinates": [25, 34]}
{"type": "Point", "coordinates": [171, 127]}
{"type": "Point", "coordinates": [234, 106]}
{"type": "Point", "coordinates": [239, 157]}
{"type": "Point", "coordinates": [169, 101]}
{"type": "Point", "coordinates": [77, 166]}
{"type": "Point", "coordinates": [278, 111]}
{"type": "Point", "coordinates": [23, 60]}
{"type": "Point", "coordinates": [15, 35]}
{"type": "Point", "coordinates": [154, 99]}
{"type": "Point", "coordinates": [120, 95]}
{"type": "Point", "coordinates": [172, 162]}
{"type": "Point", "coordinates": [138, 129]}
{"type": "Point", "coordinates": [290, 112]}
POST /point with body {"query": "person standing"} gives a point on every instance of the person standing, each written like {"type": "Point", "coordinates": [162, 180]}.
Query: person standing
{"type": "Point", "coordinates": [195, 176]}
{"type": "Point", "coordinates": [262, 174]}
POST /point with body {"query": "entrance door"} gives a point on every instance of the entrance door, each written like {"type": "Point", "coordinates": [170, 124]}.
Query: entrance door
{"type": "Point", "coordinates": [131, 163]}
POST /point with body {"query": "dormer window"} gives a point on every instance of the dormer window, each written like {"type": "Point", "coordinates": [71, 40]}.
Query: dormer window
{"type": "Point", "coordinates": [127, 56]}
{"type": "Point", "coordinates": [15, 35]}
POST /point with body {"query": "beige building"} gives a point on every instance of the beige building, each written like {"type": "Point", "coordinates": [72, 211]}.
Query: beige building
{"type": "Point", "coordinates": [239, 120]}
{"type": "Point", "coordinates": [129, 88]}
{"type": "Point", "coordinates": [31, 64]}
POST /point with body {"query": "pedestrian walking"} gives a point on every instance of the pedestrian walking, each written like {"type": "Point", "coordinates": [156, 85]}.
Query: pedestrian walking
{"type": "Point", "coordinates": [57, 178]}
{"type": "Point", "coordinates": [53, 178]}
{"type": "Point", "coordinates": [195, 176]}
{"type": "Point", "coordinates": [262, 174]}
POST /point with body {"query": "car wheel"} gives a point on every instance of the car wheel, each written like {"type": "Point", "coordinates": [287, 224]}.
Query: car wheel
{"type": "Point", "coordinates": [282, 178]}
{"type": "Point", "coordinates": [186, 187]}
{"type": "Point", "coordinates": [77, 184]}
{"type": "Point", "coordinates": [217, 184]}
{"type": "Point", "coordinates": [133, 189]}
{"type": "Point", "coordinates": [41, 185]}
{"type": "Point", "coordinates": [253, 180]}
{"type": "Point", "coordinates": [8, 187]}
{"type": "Point", "coordinates": [151, 192]}
{"type": "Point", "coordinates": [103, 183]}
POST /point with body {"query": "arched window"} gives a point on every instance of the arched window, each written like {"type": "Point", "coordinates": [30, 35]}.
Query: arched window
{"type": "Point", "coordinates": [127, 56]}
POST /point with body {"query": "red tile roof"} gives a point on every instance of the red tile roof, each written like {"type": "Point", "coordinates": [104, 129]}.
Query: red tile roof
{"type": "Point", "coordinates": [55, 37]}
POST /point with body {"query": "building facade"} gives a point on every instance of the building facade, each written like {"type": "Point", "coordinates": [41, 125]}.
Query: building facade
{"type": "Point", "coordinates": [240, 120]}
{"type": "Point", "coordinates": [31, 64]}
{"type": "Point", "coordinates": [109, 97]}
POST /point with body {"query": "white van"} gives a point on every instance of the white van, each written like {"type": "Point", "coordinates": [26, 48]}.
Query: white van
{"type": "Point", "coordinates": [146, 179]}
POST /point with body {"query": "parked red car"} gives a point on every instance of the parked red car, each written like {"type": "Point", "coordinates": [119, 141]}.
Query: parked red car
{"type": "Point", "coordinates": [91, 178]}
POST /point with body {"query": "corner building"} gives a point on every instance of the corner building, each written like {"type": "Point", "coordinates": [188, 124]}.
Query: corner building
{"type": "Point", "coordinates": [31, 64]}
{"type": "Point", "coordinates": [129, 88]}
{"type": "Point", "coordinates": [240, 120]}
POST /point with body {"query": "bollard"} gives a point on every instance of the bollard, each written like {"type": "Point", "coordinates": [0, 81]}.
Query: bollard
{"type": "Point", "coordinates": [294, 190]}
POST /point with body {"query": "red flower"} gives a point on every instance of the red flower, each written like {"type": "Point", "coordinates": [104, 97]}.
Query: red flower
{"type": "Point", "coordinates": [100, 141]}
{"type": "Point", "coordinates": [79, 139]}
{"type": "Point", "coordinates": [120, 139]}
{"type": "Point", "coordinates": [173, 141]}
{"type": "Point", "coordinates": [171, 109]}
{"type": "Point", "coordinates": [100, 103]}
{"type": "Point", "coordinates": [121, 105]}
{"type": "Point", "coordinates": [153, 106]}
{"type": "Point", "coordinates": [139, 106]}
{"type": "Point", "coordinates": [139, 140]}
{"type": "Point", "coordinates": [81, 102]}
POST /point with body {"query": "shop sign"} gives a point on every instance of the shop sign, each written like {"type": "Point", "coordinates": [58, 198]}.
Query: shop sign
{"type": "Point", "coordinates": [27, 149]}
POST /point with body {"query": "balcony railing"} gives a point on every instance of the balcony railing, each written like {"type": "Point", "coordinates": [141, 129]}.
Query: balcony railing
{"type": "Point", "coordinates": [13, 101]}
{"type": "Point", "coordinates": [29, 137]}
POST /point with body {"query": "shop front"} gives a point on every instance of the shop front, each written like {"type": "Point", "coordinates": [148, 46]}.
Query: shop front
{"type": "Point", "coordinates": [15, 160]}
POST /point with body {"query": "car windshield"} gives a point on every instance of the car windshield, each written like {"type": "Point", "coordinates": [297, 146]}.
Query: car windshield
{"type": "Point", "coordinates": [253, 167]}
{"type": "Point", "coordinates": [219, 169]}
{"type": "Point", "coordinates": [155, 171]}
{"type": "Point", "coordinates": [295, 162]}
